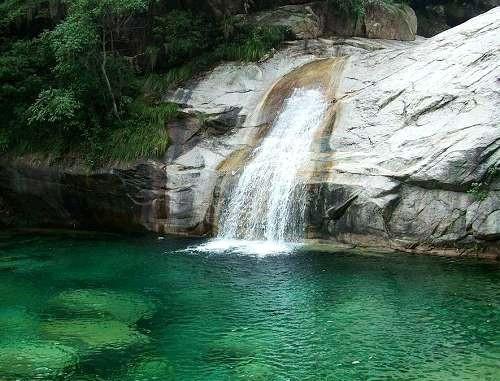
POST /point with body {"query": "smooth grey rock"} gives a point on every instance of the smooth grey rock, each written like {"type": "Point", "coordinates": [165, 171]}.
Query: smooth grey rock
{"type": "Point", "coordinates": [242, 86]}
{"type": "Point", "coordinates": [380, 20]}
{"type": "Point", "coordinates": [303, 20]}
{"type": "Point", "coordinates": [427, 118]}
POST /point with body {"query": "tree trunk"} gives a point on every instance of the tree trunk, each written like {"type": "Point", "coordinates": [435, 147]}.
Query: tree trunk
{"type": "Point", "coordinates": [105, 74]}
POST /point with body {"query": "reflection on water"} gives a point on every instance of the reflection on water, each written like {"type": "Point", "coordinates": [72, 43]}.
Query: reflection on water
{"type": "Point", "coordinates": [108, 308]}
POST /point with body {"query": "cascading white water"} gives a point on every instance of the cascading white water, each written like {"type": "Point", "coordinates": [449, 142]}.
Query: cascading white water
{"type": "Point", "coordinates": [268, 202]}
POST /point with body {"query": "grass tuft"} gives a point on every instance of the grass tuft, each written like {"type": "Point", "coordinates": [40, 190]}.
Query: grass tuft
{"type": "Point", "coordinates": [145, 134]}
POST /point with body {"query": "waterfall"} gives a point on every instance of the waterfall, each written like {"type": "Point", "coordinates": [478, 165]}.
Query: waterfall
{"type": "Point", "coordinates": [268, 201]}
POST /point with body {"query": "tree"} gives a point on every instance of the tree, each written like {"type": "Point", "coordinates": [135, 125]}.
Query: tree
{"type": "Point", "coordinates": [86, 39]}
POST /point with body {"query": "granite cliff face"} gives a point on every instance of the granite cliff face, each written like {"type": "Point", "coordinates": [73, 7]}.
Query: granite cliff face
{"type": "Point", "coordinates": [408, 158]}
{"type": "Point", "coordinates": [416, 132]}
{"type": "Point", "coordinates": [129, 198]}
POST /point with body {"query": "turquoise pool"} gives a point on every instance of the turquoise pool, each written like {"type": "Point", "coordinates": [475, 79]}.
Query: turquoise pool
{"type": "Point", "coordinates": [105, 307]}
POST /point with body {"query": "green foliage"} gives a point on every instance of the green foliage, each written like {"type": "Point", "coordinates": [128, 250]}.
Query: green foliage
{"type": "Point", "coordinates": [54, 106]}
{"type": "Point", "coordinates": [252, 43]}
{"type": "Point", "coordinates": [88, 83]}
{"type": "Point", "coordinates": [24, 70]}
{"type": "Point", "coordinates": [192, 42]}
{"type": "Point", "coordinates": [206, 42]}
{"type": "Point", "coordinates": [480, 190]}
{"type": "Point", "coordinates": [73, 41]}
{"type": "Point", "coordinates": [181, 35]}
{"type": "Point", "coordinates": [145, 134]}
{"type": "Point", "coordinates": [156, 84]}
{"type": "Point", "coordinates": [12, 11]}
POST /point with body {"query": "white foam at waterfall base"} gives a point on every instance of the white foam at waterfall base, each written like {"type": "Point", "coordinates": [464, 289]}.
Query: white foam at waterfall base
{"type": "Point", "coordinates": [265, 211]}
{"type": "Point", "coordinates": [243, 247]}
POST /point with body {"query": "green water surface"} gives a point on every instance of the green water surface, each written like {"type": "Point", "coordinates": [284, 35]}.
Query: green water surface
{"type": "Point", "coordinates": [104, 307]}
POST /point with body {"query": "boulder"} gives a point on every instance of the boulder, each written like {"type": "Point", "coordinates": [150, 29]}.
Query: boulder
{"type": "Point", "coordinates": [303, 20]}
{"type": "Point", "coordinates": [255, 371]}
{"type": "Point", "coordinates": [17, 324]}
{"type": "Point", "coordinates": [151, 369]}
{"type": "Point", "coordinates": [380, 20]}
{"type": "Point", "coordinates": [390, 21]}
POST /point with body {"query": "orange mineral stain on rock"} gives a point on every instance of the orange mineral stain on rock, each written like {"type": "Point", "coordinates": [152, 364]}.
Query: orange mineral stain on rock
{"type": "Point", "coordinates": [325, 74]}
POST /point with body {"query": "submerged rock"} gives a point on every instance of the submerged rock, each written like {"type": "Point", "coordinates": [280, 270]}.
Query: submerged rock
{"type": "Point", "coordinates": [22, 263]}
{"type": "Point", "coordinates": [254, 371]}
{"type": "Point", "coordinates": [13, 291]}
{"type": "Point", "coordinates": [93, 335]}
{"type": "Point", "coordinates": [234, 346]}
{"type": "Point", "coordinates": [27, 361]}
{"type": "Point", "coordinates": [125, 307]}
{"type": "Point", "coordinates": [157, 369]}
{"type": "Point", "coordinates": [17, 324]}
